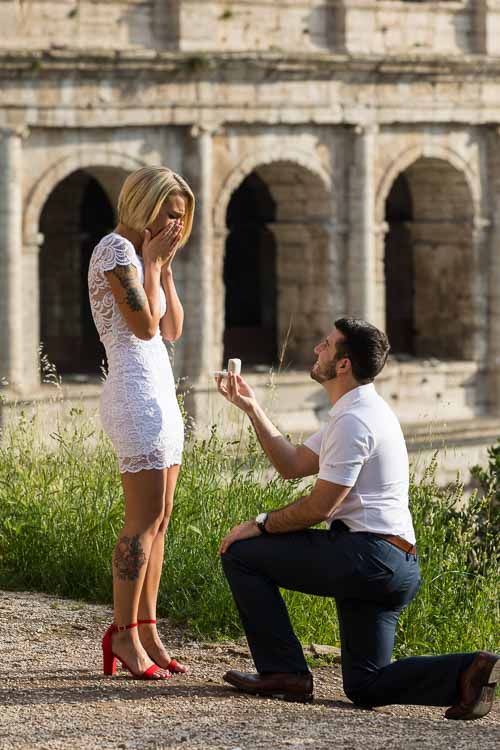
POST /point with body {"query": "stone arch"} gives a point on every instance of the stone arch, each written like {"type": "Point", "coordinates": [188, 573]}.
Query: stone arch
{"type": "Point", "coordinates": [306, 160]}
{"type": "Point", "coordinates": [429, 151]}
{"type": "Point", "coordinates": [429, 260]}
{"type": "Point", "coordinates": [301, 227]}
{"type": "Point", "coordinates": [69, 208]}
{"type": "Point", "coordinates": [90, 159]}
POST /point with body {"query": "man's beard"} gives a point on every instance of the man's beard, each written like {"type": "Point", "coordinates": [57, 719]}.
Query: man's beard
{"type": "Point", "coordinates": [330, 372]}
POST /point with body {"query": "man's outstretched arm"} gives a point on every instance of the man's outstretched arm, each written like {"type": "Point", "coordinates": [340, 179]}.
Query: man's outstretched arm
{"type": "Point", "coordinates": [290, 461]}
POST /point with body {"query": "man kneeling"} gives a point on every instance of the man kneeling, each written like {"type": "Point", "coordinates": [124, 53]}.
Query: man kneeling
{"type": "Point", "coordinates": [367, 559]}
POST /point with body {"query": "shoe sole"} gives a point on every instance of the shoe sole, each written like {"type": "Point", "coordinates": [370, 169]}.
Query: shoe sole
{"type": "Point", "coordinates": [482, 706]}
{"type": "Point", "coordinates": [289, 697]}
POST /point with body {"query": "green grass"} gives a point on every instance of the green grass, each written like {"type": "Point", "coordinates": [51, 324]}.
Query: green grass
{"type": "Point", "coordinates": [61, 510]}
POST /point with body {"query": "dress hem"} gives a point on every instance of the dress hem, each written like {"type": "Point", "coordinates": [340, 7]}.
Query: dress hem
{"type": "Point", "coordinates": [149, 467]}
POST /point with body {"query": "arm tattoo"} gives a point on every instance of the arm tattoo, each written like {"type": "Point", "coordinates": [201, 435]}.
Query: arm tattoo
{"type": "Point", "coordinates": [129, 558]}
{"type": "Point", "coordinates": [135, 294]}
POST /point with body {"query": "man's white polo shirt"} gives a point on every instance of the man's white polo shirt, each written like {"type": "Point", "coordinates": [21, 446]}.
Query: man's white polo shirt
{"type": "Point", "coordinates": [362, 446]}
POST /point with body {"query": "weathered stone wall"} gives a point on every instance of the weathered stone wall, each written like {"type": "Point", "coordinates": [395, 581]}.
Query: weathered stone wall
{"type": "Point", "coordinates": [114, 24]}
{"type": "Point", "coordinates": [168, 24]}
{"type": "Point", "coordinates": [406, 27]}
{"type": "Point", "coordinates": [394, 27]}
{"type": "Point", "coordinates": [257, 25]}
{"type": "Point", "coordinates": [328, 104]}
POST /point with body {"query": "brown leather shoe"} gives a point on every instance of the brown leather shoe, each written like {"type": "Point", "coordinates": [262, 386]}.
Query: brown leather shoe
{"type": "Point", "coordinates": [288, 686]}
{"type": "Point", "coordinates": [477, 688]}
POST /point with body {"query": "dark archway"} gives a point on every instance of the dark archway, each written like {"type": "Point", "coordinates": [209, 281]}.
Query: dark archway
{"type": "Point", "coordinates": [75, 217]}
{"type": "Point", "coordinates": [250, 275]}
{"type": "Point", "coordinates": [429, 263]}
{"type": "Point", "coordinates": [399, 269]}
{"type": "Point", "coordinates": [278, 266]}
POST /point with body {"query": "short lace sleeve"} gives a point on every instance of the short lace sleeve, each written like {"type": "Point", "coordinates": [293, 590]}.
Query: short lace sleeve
{"type": "Point", "coordinates": [116, 251]}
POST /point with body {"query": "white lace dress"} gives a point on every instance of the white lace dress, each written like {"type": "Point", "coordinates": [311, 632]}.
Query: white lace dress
{"type": "Point", "coordinates": [139, 409]}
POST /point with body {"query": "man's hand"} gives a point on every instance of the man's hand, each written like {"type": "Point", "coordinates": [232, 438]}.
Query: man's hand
{"type": "Point", "coordinates": [236, 391]}
{"type": "Point", "coordinates": [243, 531]}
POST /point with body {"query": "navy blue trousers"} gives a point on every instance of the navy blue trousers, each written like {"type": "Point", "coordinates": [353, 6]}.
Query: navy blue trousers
{"type": "Point", "coordinates": [371, 581]}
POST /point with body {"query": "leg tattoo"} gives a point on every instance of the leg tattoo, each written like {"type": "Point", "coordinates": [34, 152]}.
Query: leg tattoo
{"type": "Point", "coordinates": [129, 558]}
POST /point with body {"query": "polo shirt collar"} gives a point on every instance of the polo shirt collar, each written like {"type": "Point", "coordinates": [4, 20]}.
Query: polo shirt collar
{"type": "Point", "coordinates": [347, 400]}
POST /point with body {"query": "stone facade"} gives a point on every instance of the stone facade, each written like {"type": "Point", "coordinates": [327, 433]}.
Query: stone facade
{"type": "Point", "coordinates": [345, 157]}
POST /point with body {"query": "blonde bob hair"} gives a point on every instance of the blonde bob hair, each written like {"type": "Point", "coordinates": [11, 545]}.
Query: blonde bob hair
{"type": "Point", "coordinates": [143, 194]}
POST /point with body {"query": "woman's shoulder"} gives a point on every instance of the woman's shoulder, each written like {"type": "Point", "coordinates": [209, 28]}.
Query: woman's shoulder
{"type": "Point", "coordinates": [113, 249]}
{"type": "Point", "coordinates": [115, 240]}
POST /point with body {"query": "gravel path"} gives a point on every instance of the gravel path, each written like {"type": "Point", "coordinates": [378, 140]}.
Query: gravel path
{"type": "Point", "coordinates": [53, 695]}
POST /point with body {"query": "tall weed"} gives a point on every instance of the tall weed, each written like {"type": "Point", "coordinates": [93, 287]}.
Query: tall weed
{"type": "Point", "coordinates": [61, 510]}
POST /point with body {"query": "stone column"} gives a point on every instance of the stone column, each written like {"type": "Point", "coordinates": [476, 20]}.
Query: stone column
{"type": "Point", "coordinates": [486, 26]}
{"type": "Point", "coordinates": [493, 271]}
{"type": "Point", "coordinates": [479, 24]}
{"type": "Point", "coordinates": [494, 317]}
{"type": "Point", "coordinates": [361, 262]}
{"type": "Point", "coordinates": [199, 358]}
{"type": "Point", "coordinates": [380, 232]}
{"type": "Point", "coordinates": [336, 298]}
{"type": "Point", "coordinates": [11, 276]}
{"type": "Point", "coordinates": [480, 292]}
{"type": "Point", "coordinates": [31, 319]}
{"type": "Point", "coordinates": [218, 294]}
{"type": "Point", "coordinates": [494, 327]}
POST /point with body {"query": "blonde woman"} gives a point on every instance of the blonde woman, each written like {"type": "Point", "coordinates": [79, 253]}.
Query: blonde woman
{"type": "Point", "coordinates": [135, 305]}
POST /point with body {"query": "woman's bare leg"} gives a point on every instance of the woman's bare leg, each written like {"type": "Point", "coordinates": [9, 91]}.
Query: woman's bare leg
{"type": "Point", "coordinates": [144, 512]}
{"type": "Point", "coordinates": [147, 605]}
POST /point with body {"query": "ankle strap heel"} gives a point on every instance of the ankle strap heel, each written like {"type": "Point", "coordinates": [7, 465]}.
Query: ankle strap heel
{"type": "Point", "coordinates": [121, 628]}
{"type": "Point", "coordinates": [109, 657]}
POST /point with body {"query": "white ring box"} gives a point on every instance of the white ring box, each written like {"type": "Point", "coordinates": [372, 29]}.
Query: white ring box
{"type": "Point", "coordinates": [233, 365]}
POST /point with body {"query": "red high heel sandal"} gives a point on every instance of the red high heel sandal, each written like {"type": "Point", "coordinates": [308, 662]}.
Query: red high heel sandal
{"type": "Point", "coordinates": [109, 658]}
{"type": "Point", "coordinates": [173, 666]}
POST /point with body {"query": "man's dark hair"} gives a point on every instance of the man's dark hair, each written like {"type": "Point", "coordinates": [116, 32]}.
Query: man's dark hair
{"type": "Point", "coordinates": [365, 346]}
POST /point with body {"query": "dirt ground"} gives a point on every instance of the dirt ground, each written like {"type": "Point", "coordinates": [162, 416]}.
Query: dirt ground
{"type": "Point", "coordinates": [53, 695]}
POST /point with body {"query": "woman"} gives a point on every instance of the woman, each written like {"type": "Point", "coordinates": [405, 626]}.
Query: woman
{"type": "Point", "coordinates": [134, 305]}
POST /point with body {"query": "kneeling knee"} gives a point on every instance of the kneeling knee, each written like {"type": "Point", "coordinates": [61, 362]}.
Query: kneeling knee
{"type": "Point", "coordinates": [230, 562]}
{"type": "Point", "coordinates": [227, 561]}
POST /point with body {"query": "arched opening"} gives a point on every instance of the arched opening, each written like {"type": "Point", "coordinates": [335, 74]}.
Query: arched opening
{"type": "Point", "coordinates": [399, 269]}
{"type": "Point", "coordinates": [277, 266]}
{"type": "Point", "coordinates": [250, 275]}
{"type": "Point", "coordinates": [429, 265]}
{"type": "Point", "coordinates": [76, 215]}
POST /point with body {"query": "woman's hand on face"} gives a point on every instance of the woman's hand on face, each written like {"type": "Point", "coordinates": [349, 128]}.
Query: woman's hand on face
{"type": "Point", "coordinates": [163, 246]}
{"type": "Point", "coordinates": [236, 391]}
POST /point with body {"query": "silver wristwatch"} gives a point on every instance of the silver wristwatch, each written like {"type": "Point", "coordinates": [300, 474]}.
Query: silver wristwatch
{"type": "Point", "coordinates": [261, 522]}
